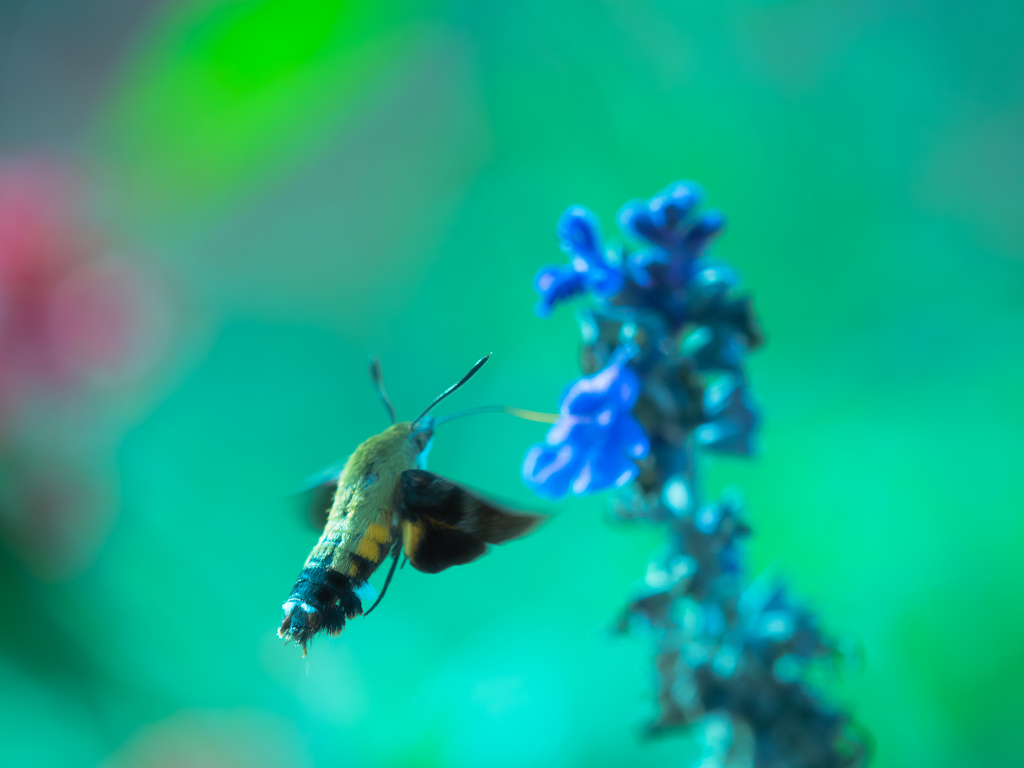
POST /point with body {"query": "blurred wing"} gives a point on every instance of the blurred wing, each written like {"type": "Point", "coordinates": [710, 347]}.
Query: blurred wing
{"type": "Point", "coordinates": [443, 524]}
{"type": "Point", "coordinates": [323, 477]}
{"type": "Point", "coordinates": [316, 495]}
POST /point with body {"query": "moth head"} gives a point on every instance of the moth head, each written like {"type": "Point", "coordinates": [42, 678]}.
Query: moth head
{"type": "Point", "coordinates": [420, 431]}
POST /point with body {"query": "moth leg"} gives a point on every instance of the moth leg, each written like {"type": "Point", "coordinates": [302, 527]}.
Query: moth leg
{"type": "Point", "coordinates": [396, 552]}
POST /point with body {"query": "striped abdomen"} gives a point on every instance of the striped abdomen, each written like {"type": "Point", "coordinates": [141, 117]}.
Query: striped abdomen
{"type": "Point", "coordinates": [360, 533]}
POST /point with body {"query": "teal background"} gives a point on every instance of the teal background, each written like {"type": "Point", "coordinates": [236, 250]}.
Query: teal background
{"type": "Point", "coordinates": [325, 180]}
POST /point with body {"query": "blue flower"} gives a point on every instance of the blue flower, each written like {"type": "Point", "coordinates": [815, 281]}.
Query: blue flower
{"type": "Point", "coordinates": [672, 313]}
{"type": "Point", "coordinates": [674, 238]}
{"type": "Point", "coordinates": [593, 267]}
{"type": "Point", "coordinates": [595, 442]}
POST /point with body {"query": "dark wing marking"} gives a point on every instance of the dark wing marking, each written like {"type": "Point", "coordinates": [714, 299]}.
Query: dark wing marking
{"type": "Point", "coordinates": [431, 547]}
{"type": "Point", "coordinates": [443, 524]}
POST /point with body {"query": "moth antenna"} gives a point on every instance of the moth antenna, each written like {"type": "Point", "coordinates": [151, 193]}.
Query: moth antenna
{"type": "Point", "coordinates": [519, 413]}
{"type": "Point", "coordinates": [453, 387]}
{"type": "Point", "coordinates": [394, 562]}
{"type": "Point", "coordinates": [378, 384]}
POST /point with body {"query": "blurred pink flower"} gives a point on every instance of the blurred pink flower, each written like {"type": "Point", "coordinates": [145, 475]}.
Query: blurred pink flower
{"type": "Point", "coordinates": [71, 318]}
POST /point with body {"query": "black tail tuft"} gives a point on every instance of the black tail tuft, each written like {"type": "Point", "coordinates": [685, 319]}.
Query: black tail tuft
{"type": "Point", "coordinates": [322, 600]}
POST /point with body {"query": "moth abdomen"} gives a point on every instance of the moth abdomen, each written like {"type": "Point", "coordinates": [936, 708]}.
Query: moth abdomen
{"type": "Point", "coordinates": [322, 600]}
{"type": "Point", "coordinates": [360, 555]}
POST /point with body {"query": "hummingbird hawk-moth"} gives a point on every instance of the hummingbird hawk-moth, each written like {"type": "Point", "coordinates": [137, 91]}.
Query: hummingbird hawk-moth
{"type": "Point", "coordinates": [384, 503]}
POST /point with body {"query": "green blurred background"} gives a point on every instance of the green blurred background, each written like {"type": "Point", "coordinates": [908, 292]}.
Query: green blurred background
{"type": "Point", "coordinates": [321, 180]}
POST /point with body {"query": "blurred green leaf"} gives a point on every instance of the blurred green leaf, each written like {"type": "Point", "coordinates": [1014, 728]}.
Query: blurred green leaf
{"type": "Point", "coordinates": [219, 93]}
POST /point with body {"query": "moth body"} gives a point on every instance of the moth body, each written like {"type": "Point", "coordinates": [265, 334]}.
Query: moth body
{"type": "Point", "coordinates": [385, 502]}
{"type": "Point", "coordinates": [362, 527]}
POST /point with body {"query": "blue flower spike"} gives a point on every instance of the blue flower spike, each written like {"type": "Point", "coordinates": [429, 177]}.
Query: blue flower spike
{"type": "Point", "coordinates": [592, 267]}
{"type": "Point", "coordinates": [675, 335]}
{"type": "Point", "coordinates": [596, 442]}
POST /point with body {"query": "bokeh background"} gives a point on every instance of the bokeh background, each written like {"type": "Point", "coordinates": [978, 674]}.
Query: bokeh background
{"type": "Point", "coordinates": [212, 211]}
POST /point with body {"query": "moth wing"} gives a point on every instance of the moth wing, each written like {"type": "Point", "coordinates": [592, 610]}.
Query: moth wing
{"type": "Point", "coordinates": [443, 524]}
{"type": "Point", "coordinates": [432, 547]}
{"type": "Point", "coordinates": [316, 494]}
